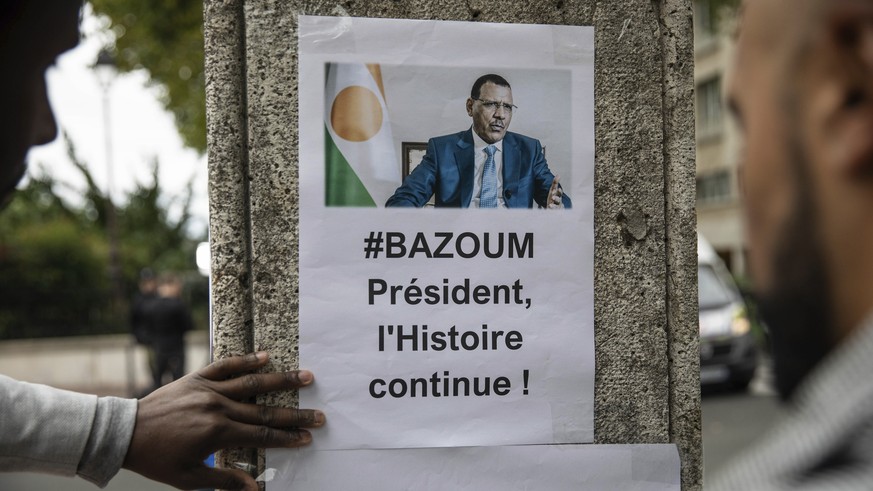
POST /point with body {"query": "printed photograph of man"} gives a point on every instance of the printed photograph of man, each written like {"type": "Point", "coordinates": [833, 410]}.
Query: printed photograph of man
{"type": "Point", "coordinates": [485, 166]}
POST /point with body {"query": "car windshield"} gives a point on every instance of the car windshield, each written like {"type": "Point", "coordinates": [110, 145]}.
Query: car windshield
{"type": "Point", "coordinates": [711, 290]}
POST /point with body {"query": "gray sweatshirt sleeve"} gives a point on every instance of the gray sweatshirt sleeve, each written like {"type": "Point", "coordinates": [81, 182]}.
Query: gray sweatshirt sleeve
{"type": "Point", "coordinates": [43, 429]}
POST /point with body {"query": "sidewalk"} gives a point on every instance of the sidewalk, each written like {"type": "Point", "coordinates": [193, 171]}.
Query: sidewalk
{"type": "Point", "coordinates": [104, 365]}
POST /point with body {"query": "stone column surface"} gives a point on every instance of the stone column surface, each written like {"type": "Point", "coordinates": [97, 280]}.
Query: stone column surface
{"type": "Point", "coordinates": [647, 378]}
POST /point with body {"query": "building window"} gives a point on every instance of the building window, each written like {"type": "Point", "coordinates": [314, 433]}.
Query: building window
{"type": "Point", "coordinates": [709, 107]}
{"type": "Point", "coordinates": [704, 19]}
{"type": "Point", "coordinates": [714, 187]}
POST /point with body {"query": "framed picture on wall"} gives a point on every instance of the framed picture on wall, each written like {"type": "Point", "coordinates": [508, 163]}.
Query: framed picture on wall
{"type": "Point", "coordinates": [412, 153]}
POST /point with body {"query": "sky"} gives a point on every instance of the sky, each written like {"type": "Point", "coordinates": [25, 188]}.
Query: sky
{"type": "Point", "coordinates": [140, 130]}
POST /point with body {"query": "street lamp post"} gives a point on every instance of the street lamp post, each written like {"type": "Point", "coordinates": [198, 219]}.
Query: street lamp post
{"type": "Point", "coordinates": [105, 69]}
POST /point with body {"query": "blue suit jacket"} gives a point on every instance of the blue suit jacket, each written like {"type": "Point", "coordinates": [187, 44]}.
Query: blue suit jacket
{"type": "Point", "coordinates": [447, 173]}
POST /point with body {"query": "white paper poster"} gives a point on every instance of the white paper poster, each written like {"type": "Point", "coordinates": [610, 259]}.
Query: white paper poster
{"type": "Point", "coordinates": [508, 468]}
{"type": "Point", "coordinates": [445, 325]}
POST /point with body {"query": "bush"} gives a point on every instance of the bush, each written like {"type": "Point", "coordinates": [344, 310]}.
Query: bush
{"type": "Point", "coordinates": [54, 282]}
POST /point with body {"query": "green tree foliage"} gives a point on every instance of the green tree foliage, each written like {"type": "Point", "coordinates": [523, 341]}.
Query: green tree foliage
{"type": "Point", "coordinates": [53, 267]}
{"type": "Point", "coordinates": [148, 236]}
{"type": "Point", "coordinates": [166, 38]}
{"type": "Point", "coordinates": [151, 238]}
{"type": "Point", "coordinates": [54, 257]}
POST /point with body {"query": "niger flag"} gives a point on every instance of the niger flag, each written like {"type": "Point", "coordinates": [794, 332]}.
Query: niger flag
{"type": "Point", "coordinates": [361, 165]}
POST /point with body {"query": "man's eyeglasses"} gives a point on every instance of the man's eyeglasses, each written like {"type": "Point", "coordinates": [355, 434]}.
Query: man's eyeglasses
{"type": "Point", "coordinates": [493, 106]}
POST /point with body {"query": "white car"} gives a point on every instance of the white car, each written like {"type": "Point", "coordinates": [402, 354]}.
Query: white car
{"type": "Point", "coordinates": [728, 350]}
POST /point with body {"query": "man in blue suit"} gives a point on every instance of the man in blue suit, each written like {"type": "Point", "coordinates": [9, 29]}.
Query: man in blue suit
{"type": "Point", "coordinates": [485, 166]}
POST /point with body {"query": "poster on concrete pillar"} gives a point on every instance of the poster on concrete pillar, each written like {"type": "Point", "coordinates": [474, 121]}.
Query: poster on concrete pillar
{"type": "Point", "coordinates": [446, 232]}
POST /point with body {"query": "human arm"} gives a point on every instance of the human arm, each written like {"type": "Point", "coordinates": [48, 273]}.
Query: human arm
{"type": "Point", "coordinates": [556, 194]}
{"type": "Point", "coordinates": [419, 185]}
{"type": "Point", "coordinates": [43, 429]}
{"type": "Point", "coordinates": [165, 436]}
{"type": "Point", "coordinates": [183, 319]}
{"type": "Point", "coordinates": [180, 424]}
{"type": "Point", "coordinates": [548, 192]}
{"type": "Point", "coordinates": [138, 323]}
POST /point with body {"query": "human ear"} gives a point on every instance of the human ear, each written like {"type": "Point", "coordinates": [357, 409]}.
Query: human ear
{"type": "Point", "coordinates": [469, 107]}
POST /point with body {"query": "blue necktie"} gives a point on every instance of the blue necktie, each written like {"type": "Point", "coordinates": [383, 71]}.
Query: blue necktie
{"type": "Point", "coordinates": [488, 195]}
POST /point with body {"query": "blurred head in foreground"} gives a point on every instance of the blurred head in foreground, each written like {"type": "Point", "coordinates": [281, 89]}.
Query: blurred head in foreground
{"type": "Point", "coordinates": [801, 90]}
{"type": "Point", "coordinates": [32, 35]}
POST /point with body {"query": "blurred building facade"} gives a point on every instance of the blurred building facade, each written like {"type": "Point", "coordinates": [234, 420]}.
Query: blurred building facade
{"type": "Point", "coordinates": [719, 208]}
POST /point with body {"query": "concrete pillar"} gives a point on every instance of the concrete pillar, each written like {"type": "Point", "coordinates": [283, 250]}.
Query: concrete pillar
{"type": "Point", "coordinates": [645, 280]}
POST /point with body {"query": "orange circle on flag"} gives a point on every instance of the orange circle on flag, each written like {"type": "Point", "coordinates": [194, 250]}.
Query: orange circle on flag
{"type": "Point", "coordinates": [356, 114]}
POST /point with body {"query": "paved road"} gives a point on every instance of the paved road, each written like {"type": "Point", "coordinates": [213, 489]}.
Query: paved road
{"type": "Point", "coordinates": [732, 421]}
